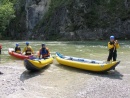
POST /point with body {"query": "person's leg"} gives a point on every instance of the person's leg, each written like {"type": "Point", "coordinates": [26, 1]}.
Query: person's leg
{"type": "Point", "coordinates": [110, 56]}
{"type": "Point", "coordinates": [0, 51]}
{"type": "Point", "coordinates": [114, 57]}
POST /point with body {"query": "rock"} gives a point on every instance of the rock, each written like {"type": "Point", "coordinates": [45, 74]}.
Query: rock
{"type": "Point", "coordinates": [28, 14]}
{"type": "Point", "coordinates": [1, 73]}
{"type": "Point", "coordinates": [22, 88]}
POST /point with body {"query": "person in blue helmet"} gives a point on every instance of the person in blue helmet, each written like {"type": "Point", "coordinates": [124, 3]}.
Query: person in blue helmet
{"type": "Point", "coordinates": [44, 52]}
{"type": "Point", "coordinates": [17, 48]}
{"type": "Point", "coordinates": [113, 45]}
{"type": "Point", "coordinates": [28, 49]}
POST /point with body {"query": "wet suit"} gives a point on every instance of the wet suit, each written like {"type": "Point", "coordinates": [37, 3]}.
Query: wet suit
{"type": "Point", "coordinates": [112, 51]}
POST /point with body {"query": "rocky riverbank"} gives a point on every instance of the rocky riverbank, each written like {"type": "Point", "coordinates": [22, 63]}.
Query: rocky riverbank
{"type": "Point", "coordinates": [57, 81]}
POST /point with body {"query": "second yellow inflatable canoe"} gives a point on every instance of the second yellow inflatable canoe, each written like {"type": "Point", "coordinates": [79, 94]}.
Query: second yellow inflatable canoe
{"type": "Point", "coordinates": [86, 64]}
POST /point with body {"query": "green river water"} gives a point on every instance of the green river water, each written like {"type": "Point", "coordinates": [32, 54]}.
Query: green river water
{"type": "Point", "coordinates": [87, 49]}
{"type": "Point", "coordinates": [58, 81]}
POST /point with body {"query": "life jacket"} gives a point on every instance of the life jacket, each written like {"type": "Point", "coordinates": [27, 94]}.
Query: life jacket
{"type": "Point", "coordinates": [0, 46]}
{"type": "Point", "coordinates": [18, 50]}
{"type": "Point", "coordinates": [28, 51]}
{"type": "Point", "coordinates": [44, 52]}
{"type": "Point", "coordinates": [112, 47]}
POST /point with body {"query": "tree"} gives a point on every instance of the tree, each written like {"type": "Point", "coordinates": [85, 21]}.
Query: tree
{"type": "Point", "coordinates": [6, 14]}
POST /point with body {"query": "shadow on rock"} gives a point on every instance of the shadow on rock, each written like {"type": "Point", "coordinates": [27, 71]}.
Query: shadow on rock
{"type": "Point", "coordinates": [30, 74]}
{"type": "Point", "coordinates": [114, 74]}
{"type": "Point", "coordinates": [1, 73]}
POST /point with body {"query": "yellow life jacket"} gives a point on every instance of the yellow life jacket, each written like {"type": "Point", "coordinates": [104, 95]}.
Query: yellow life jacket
{"type": "Point", "coordinates": [18, 50]}
{"type": "Point", "coordinates": [28, 51]}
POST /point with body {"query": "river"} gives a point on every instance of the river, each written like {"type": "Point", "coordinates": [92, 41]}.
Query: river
{"type": "Point", "coordinates": [58, 81]}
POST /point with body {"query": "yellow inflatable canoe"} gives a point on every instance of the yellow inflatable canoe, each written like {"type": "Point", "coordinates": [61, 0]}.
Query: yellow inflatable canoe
{"type": "Point", "coordinates": [86, 64]}
{"type": "Point", "coordinates": [37, 64]}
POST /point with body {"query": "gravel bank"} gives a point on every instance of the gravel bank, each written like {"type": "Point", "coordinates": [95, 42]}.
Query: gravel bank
{"type": "Point", "coordinates": [56, 81]}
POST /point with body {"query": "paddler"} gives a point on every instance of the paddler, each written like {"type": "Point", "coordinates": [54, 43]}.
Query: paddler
{"type": "Point", "coordinates": [17, 48]}
{"type": "Point", "coordinates": [44, 52]}
{"type": "Point", "coordinates": [28, 49]}
{"type": "Point", "coordinates": [112, 46]}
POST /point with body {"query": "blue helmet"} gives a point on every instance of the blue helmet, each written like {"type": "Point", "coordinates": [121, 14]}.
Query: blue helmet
{"type": "Point", "coordinates": [43, 45]}
{"type": "Point", "coordinates": [17, 45]}
{"type": "Point", "coordinates": [27, 43]}
{"type": "Point", "coordinates": [112, 37]}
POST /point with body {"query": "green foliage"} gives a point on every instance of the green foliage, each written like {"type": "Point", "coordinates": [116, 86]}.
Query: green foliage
{"type": "Point", "coordinates": [6, 14]}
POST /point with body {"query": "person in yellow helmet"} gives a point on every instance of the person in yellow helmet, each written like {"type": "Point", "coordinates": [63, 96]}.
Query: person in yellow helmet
{"type": "Point", "coordinates": [112, 46]}
{"type": "Point", "coordinates": [28, 49]}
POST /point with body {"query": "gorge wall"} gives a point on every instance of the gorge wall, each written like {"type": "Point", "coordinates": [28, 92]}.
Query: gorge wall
{"type": "Point", "coordinates": [71, 19]}
{"type": "Point", "coordinates": [28, 14]}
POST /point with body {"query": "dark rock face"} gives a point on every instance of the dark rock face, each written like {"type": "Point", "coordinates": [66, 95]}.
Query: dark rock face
{"type": "Point", "coordinates": [28, 14]}
{"type": "Point", "coordinates": [88, 19]}
{"type": "Point", "coordinates": [72, 20]}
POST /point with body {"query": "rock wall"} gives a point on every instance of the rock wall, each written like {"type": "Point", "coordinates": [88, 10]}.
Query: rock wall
{"type": "Point", "coordinates": [72, 20]}
{"type": "Point", "coordinates": [28, 14]}
{"type": "Point", "coordinates": [86, 20]}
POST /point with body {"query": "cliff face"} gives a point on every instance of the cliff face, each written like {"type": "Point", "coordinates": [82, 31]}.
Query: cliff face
{"type": "Point", "coordinates": [71, 19]}
{"type": "Point", "coordinates": [28, 14]}
{"type": "Point", "coordinates": [88, 19]}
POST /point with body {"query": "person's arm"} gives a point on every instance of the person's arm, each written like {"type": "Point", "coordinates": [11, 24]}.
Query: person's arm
{"type": "Point", "coordinates": [117, 44]}
{"type": "Point", "coordinates": [39, 53]}
{"type": "Point", "coordinates": [15, 49]}
{"type": "Point", "coordinates": [48, 51]}
{"type": "Point", "coordinates": [110, 46]}
{"type": "Point", "coordinates": [31, 50]}
{"type": "Point", "coordinates": [0, 46]}
{"type": "Point", "coordinates": [20, 49]}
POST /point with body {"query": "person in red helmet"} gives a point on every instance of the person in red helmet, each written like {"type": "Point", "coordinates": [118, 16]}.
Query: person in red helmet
{"type": "Point", "coordinates": [44, 52]}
